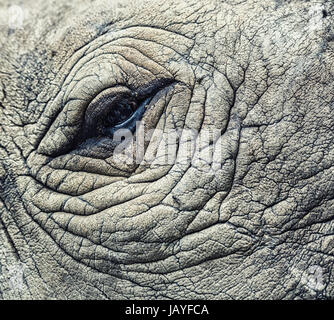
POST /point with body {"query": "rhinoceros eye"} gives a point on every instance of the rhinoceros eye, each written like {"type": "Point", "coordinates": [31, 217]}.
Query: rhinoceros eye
{"type": "Point", "coordinates": [117, 108]}
{"type": "Point", "coordinates": [90, 127]}
{"type": "Point", "coordinates": [122, 114]}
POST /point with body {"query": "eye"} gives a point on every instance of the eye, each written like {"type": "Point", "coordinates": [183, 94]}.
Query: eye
{"type": "Point", "coordinates": [117, 108]}
{"type": "Point", "coordinates": [86, 126]}
{"type": "Point", "coordinates": [121, 115]}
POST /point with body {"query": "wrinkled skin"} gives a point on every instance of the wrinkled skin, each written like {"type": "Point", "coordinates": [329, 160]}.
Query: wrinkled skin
{"type": "Point", "coordinates": [80, 226]}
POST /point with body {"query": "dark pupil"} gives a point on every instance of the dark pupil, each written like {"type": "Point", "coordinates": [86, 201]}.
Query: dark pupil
{"type": "Point", "coordinates": [119, 113]}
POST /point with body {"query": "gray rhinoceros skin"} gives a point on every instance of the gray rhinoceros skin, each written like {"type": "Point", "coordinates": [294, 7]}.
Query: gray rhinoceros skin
{"type": "Point", "coordinates": [240, 94]}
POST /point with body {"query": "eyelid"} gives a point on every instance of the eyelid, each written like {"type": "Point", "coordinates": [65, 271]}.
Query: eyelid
{"type": "Point", "coordinates": [100, 103]}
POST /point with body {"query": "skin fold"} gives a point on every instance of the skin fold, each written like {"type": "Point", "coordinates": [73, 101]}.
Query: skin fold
{"type": "Point", "coordinates": [247, 214]}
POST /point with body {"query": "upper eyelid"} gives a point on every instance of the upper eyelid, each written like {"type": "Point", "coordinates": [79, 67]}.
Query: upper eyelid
{"type": "Point", "coordinates": [96, 104]}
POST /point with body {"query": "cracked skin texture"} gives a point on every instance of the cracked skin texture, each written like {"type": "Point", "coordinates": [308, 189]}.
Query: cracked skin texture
{"type": "Point", "coordinates": [82, 226]}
